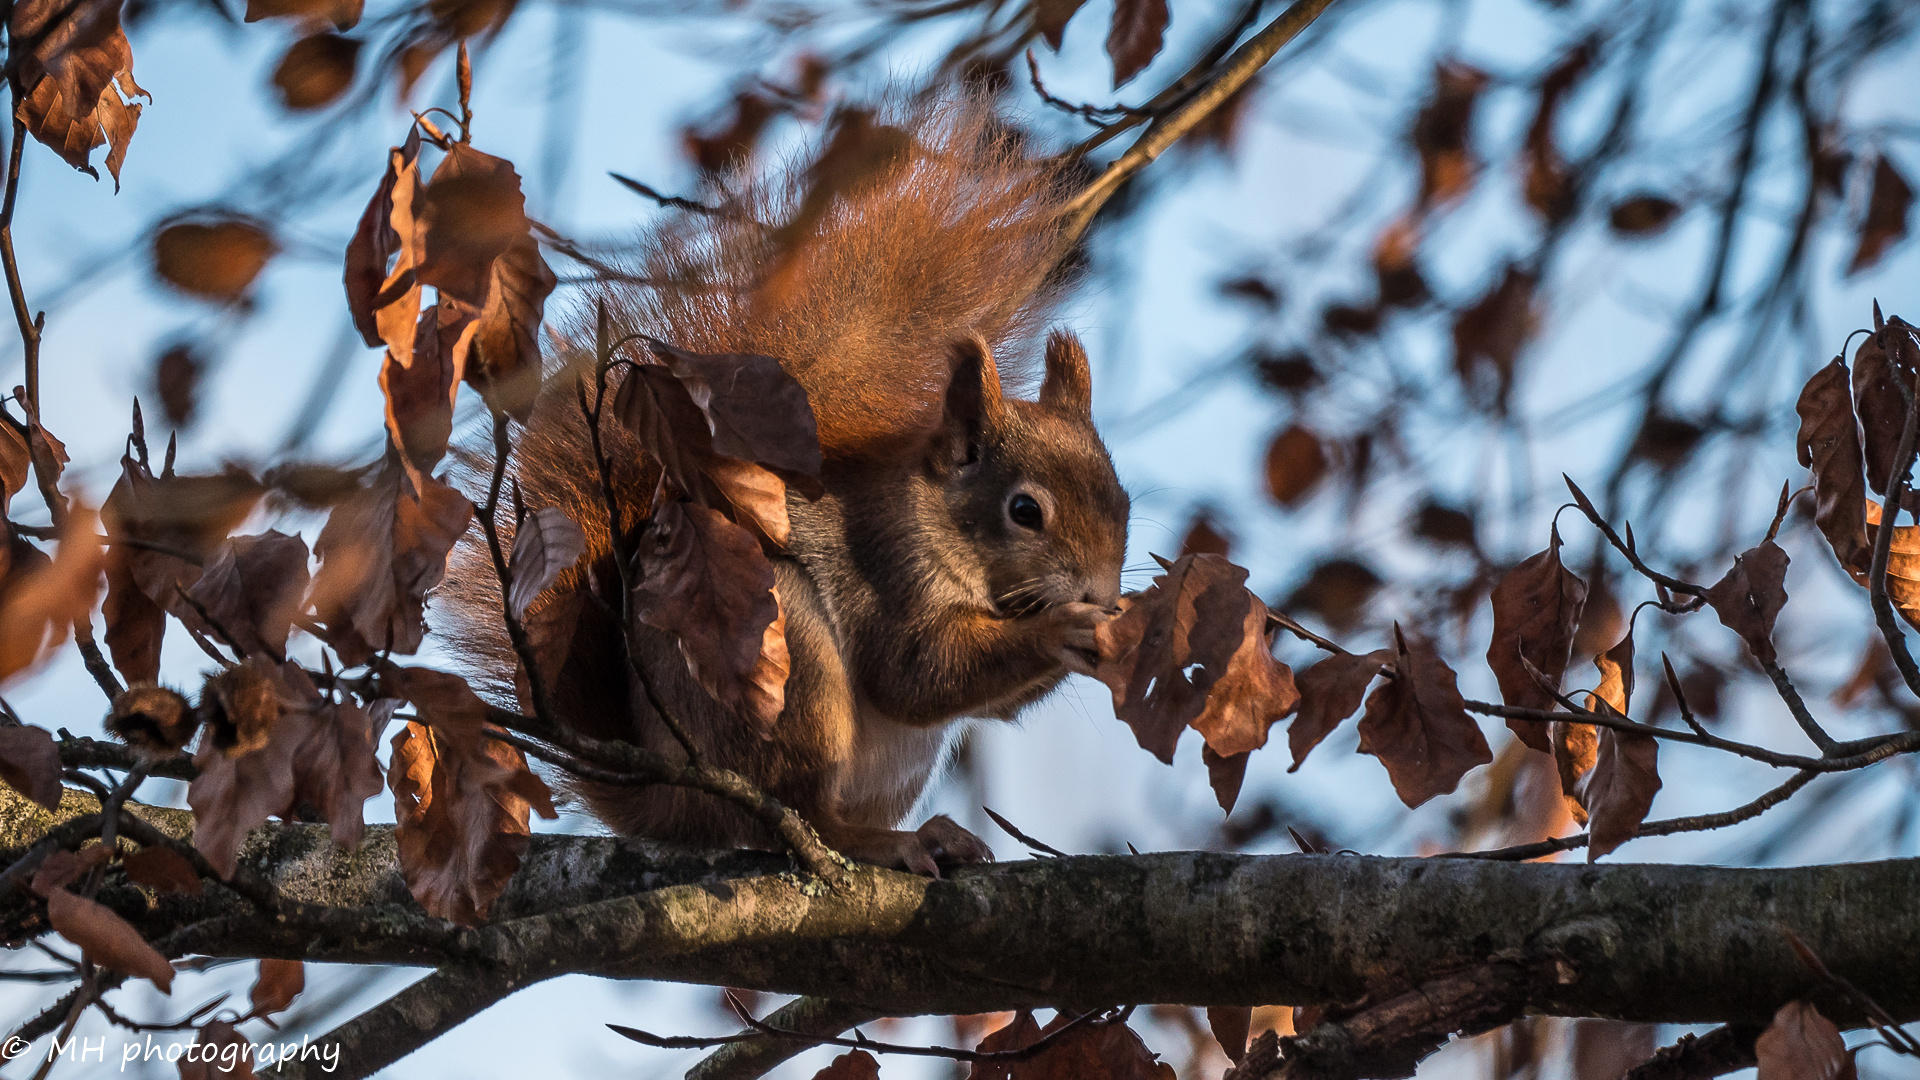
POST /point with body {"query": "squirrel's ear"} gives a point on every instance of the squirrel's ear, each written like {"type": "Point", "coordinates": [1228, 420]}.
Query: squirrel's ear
{"type": "Point", "coordinates": [1068, 389]}
{"type": "Point", "coordinates": [974, 404]}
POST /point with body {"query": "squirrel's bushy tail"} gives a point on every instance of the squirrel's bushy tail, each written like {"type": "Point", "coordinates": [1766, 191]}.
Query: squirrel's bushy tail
{"type": "Point", "coordinates": [951, 239]}
{"type": "Point", "coordinates": [956, 237]}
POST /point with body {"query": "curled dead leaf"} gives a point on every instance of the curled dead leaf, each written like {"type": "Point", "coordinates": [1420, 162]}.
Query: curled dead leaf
{"type": "Point", "coordinates": [1536, 607]}
{"type": "Point", "coordinates": [106, 939]}
{"type": "Point", "coordinates": [1417, 724]}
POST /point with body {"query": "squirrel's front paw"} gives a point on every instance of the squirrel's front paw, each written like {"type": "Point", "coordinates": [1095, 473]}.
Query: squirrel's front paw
{"type": "Point", "coordinates": [940, 842]}
{"type": "Point", "coordinates": [1072, 632]}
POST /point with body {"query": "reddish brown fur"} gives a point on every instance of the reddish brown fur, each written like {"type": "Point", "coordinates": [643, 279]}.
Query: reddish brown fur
{"type": "Point", "coordinates": [893, 582]}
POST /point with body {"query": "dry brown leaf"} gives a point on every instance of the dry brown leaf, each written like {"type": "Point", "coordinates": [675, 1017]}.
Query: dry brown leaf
{"type": "Point", "coordinates": [1417, 724]}
{"type": "Point", "coordinates": [1801, 1044]}
{"type": "Point", "coordinates": [1829, 442]}
{"type": "Point", "coordinates": [852, 1065]}
{"type": "Point", "coordinates": [1549, 180]}
{"type": "Point", "coordinates": [444, 701]}
{"type": "Point", "coordinates": [420, 392]}
{"type": "Point", "coordinates": [1139, 29]}
{"type": "Point", "coordinates": [732, 143]}
{"type": "Point", "coordinates": [1095, 1051]}
{"type": "Point", "coordinates": [316, 70]}
{"type": "Point", "coordinates": [1536, 607]}
{"type": "Point", "coordinates": [1886, 221]}
{"type": "Point", "coordinates": [187, 515]}
{"type": "Point", "coordinates": [251, 590]}
{"type": "Point", "coordinates": [335, 771]}
{"type": "Point", "coordinates": [162, 869]}
{"type": "Point", "coordinates": [223, 1054]}
{"type": "Point", "coordinates": [706, 581]}
{"type": "Point", "coordinates": [1882, 364]}
{"type": "Point", "coordinates": [755, 411]}
{"type": "Point", "coordinates": [471, 212]}
{"type": "Point", "coordinates": [1620, 790]}
{"type": "Point", "coordinates": [62, 868]}
{"type": "Point", "coordinates": [77, 73]}
{"type": "Point", "coordinates": [257, 727]}
{"type": "Point", "coordinates": [1230, 1027]}
{"type": "Point", "coordinates": [388, 229]}
{"type": "Point", "coordinates": [1903, 564]}
{"type": "Point", "coordinates": [545, 545]}
{"type": "Point", "coordinates": [1296, 462]}
{"type": "Point", "coordinates": [14, 459]}
{"type": "Point", "coordinates": [460, 811]}
{"type": "Point", "coordinates": [1750, 597]}
{"type": "Point", "coordinates": [1171, 643]}
{"type": "Point", "coordinates": [176, 377]}
{"type": "Point", "coordinates": [1050, 18]}
{"type": "Point", "coordinates": [1225, 775]}
{"type": "Point", "coordinates": [39, 603]}
{"type": "Point", "coordinates": [382, 549]}
{"type": "Point", "coordinates": [279, 983]}
{"type": "Point", "coordinates": [1247, 690]}
{"type": "Point", "coordinates": [1442, 134]}
{"type": "Point", "coordinates": [1205, 538]}
{"type": "Point", "coordinates": [660, 409]}
{"type": "Point", "coordinates": [1331, 691]}
{"type": "Point", "coordinates": [30, 763]}
{"type": "Point", "coordinates": [344, 14]}
{"type": "Point", "coordinates": [500, 355]}
{"type": "Point", "coordinates": [215, 260]}
{"type": "Point", "coordinates": [1488, 338]}
{"type": "Point", "coordinates": [106, 939]}
{"type": "Point", "coordinates": [1643, 215]}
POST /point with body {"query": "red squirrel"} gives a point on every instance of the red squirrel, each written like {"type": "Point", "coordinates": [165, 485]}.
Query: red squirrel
{"type": "Point", "coordinates": [969, 541]}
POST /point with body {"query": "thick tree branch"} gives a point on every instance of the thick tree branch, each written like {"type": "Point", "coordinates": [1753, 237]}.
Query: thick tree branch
{"type": "Point", "coordinates": [1631, 942]}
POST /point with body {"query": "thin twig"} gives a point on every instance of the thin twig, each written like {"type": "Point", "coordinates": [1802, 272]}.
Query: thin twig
{"type": "Point", "coordinates": [1037, 845]}
{"type": "Point", "coordinates": [674, 201]}
{"type": "Point", "coordinates": [1883, 547]}
{"type": "Point", "coordinates": [1667, 827]}
{"type": "Point", "coordinates": [858, 1042]}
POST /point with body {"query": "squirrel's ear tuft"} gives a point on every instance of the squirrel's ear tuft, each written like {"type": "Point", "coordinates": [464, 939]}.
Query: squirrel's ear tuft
{"type": "Point", "coordinates": [974, 404]}
{"type": "Point", "coordinates": [1069, 386]}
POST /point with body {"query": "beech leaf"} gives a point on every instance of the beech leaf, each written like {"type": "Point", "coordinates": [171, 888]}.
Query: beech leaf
{"type": "Point", "coordinates": [76, 72]}
{"type": "Point", "coordinates": [852, 1065]}
{"type": "Point", "coordinates": [30, 763]}
{"type": "Point", "coordinates": [1801, 1044]}
{"type": "Point", "coordinates": [461, 819]}
{"type": "Point", "coordinates": [41, 598]}
{"type": "Point", "coordinates": [706, 581]}
{"type": "Point", "coordinates": [214, 260]}
{"type": "Point", "coordinates": [755, 410]}
{"type": "Point", "coordinates": [1417, 724]}
{"type": "Point", "coordinates": [1536, 608]}
{"type": "Point", "coordinates": [1620, 790]}
{"type": "Point", "coordinates": [545, 546]}
{"type": "Point", "coordinates": [1749, 598]}
{"type": "Point", "coordinates": [1139, 30]}
{"type": "Point", "coordinates": [162, 869]}
{"type": "Point", "coordinates": [1331, 691]}
{"type": "Point", "coordinates": [383, 547]}
{"type": "Point", "coordinates": [106, 939]}
{"type": "Point", "coordinates": [252, 589]}
{"type": "Point", "coordinates": [1886, 221]}
{"type": "Point", "coordinates": [1296, 462]}
{"type": "Point", "coordinates": [1903, 564]}
{"type": "Point", "coordinates": [279, 983]}
{"type": "Point", "coordinates": [1829, 442]}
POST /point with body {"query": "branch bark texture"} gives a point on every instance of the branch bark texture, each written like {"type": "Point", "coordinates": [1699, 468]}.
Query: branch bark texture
{"type": "Point", "coordinates": [1634, 942]}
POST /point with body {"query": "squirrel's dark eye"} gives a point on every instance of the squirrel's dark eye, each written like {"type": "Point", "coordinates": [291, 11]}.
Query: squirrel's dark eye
{"type": "Point", "coordinates": [1024, 511]}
